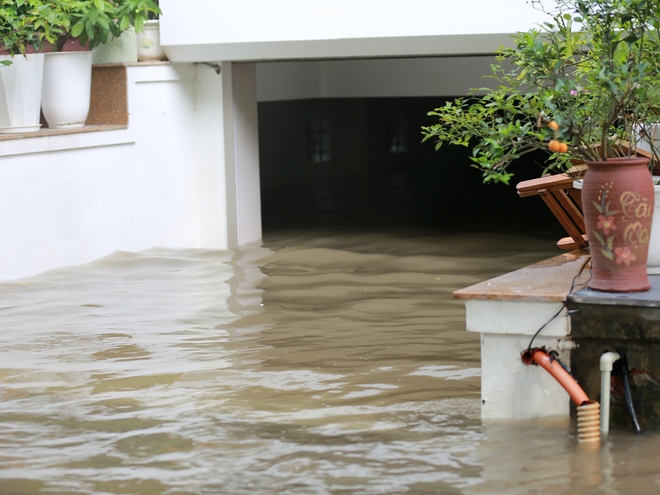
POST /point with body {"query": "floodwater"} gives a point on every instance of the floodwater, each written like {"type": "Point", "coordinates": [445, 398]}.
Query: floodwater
{"type": "Point", "coordinates": [332, 363]}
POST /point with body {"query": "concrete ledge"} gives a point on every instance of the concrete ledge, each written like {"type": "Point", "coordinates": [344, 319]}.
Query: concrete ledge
{"type": "Point", "coordinates": [548, 281]}
{"type": "Point", "coordinates": [522, 317]}
{"type": "Point", "coordinates": [648, 299]}
{"type": "Point", "coordinates": [65, 139]}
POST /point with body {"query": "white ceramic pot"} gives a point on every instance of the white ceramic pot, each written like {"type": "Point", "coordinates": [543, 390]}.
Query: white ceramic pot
{"type": "Point", "coordinates": [66, 89]}
{"type": "Point", "coordinates": [652, 140]}
{"type": "Point", "coordinates": [148, 42]}
{"type": "Point", "coordinates": [20, 93]}
{"type": "Point", "coordinates": [653, 264]}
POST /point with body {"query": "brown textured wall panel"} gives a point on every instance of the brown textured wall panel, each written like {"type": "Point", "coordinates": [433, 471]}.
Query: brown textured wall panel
{"type": "Point", "coordinates": [109, 103]}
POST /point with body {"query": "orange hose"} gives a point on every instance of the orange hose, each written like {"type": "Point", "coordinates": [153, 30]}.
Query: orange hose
{"type": "Point", "coordinates": [578, 396]}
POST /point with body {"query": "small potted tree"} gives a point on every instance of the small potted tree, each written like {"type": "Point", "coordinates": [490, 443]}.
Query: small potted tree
{"type": "Point", "coordinates": [579, 94]}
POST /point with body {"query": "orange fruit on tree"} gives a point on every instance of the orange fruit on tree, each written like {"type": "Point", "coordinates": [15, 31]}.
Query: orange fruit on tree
{"type": "Point", "coordinates": [554, 145]}
{"type": "Point", "coordinates": [563, 148]}
{"type": "Point", "coordinates": [553, 125]}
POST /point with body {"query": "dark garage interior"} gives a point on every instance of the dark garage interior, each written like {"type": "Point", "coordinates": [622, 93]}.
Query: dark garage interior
{"type": "Point", "coordinates": [359, 163]}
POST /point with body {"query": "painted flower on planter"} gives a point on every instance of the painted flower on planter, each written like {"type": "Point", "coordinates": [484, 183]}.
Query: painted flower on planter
{"type": "Point", "coordinates": [623, 255]}
{"type": "Point", "coordinates": [606, 224]}
{"type": "Point", "coordinates": [146, 43]}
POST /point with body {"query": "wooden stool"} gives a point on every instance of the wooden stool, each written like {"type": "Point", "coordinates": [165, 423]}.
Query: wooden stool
{"type": "Point", "coordinates": [565, 203]}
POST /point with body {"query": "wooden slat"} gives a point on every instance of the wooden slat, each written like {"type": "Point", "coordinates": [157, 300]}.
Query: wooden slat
{"type": "Point", "coordinates": [568, 244]}
{"type": "Point", "coordinates": [562, 216]}
{"type": "Point", "coordinates": [576, 196]}
{"type": "Point", "coordinates": [530, 187]}
{"type": "Point", "coordinates": [570, 208]}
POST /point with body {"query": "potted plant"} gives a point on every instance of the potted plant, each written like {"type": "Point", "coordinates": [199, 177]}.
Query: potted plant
{"type": "Point", "coordinates": [580, 87]}
{"type": "Point", "coordinates": [21, 34]}
{"type": "Point", "coordinates": [148, 41]}
{"type": "Point", "coordinates": [80, 26]}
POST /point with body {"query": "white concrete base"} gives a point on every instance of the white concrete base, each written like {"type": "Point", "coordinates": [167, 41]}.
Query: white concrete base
{"type": "Point", "coordinates": [513, 390]}
{"type": "Point", "coordinates": [509, 388]}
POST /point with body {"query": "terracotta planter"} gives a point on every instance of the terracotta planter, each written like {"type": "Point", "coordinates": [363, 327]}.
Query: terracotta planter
{"type": "Point", "coordinates": [618, 202]}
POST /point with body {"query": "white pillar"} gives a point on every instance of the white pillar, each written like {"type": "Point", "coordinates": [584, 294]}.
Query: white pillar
{"type": "Point", "coordinates": [211, 191]}
{"type": "Point", "coordinates": [239, 97]}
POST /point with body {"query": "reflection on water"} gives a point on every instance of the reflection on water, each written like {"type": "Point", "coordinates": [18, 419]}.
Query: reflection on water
{"type": "Point", "coordinates": [335, 364]}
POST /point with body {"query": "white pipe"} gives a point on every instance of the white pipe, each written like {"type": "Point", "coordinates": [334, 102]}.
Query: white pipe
{"type": "Point", "coordinates": [606, 362]}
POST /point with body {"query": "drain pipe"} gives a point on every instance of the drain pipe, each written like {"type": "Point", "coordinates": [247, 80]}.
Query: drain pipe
{"type": "Point", "coordinates": [606, 363]}
{"type": "Point", "coordinates": [588, 411]}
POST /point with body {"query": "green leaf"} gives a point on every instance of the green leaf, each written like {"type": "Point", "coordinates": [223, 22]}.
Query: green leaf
{"type": "Point", "coordinates": [89, 29]}
{"type": "Point", "coordinates": [608, 254]}
{"type": "Point", "coordinates": [608, 212]}
{"type": "Point", "coordinates": [103, 24]}
{"type": "Point", "coordinates": [126, 22]}
{"type": "Point", "coordinates": [610, 242]}
{"type": "Point", "coordinates": [93, 15]}
{"type": "Point", "coordinates": [597, 206]}
{"type": "Point", "coordinates": [139, 23]}
{"type": "Point", "coordinates": [598, 237]}
{"type": "Point", "coordinates": [77, 29]}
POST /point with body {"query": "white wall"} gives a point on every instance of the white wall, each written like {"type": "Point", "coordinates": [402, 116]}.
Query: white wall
{"type": "Point", "coordinates": [289, 80]}
{"type": "Point", "coordinates": [161, 184]}
{"type": "Point", "coordinates": [266, 30]}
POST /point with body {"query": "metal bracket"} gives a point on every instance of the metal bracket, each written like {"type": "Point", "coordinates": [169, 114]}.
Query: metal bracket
{"type": "Point", "coordinates": [215, 67]}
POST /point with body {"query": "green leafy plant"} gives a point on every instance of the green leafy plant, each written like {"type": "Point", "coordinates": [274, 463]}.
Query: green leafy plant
{"type": "Point", "coordinates": [581, 86]}
{"type": "Point", "coordinates": [21, 26]}
{"type": "Point", "coordinates": [136, 12]}
{"type": "Point", "coordinates": [37, 23]}
{"type": "Point", "coordinates": [94, 22]}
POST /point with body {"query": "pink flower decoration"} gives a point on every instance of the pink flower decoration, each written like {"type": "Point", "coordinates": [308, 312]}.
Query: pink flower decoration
{"type": "Point", "coordinates": [623, 255]}
{"type": "Point", "coordinates": [606, 223]}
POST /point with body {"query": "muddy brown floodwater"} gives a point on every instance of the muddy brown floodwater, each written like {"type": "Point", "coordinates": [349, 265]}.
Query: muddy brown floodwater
{"type": "Point", "coordinates": [324, 363]}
